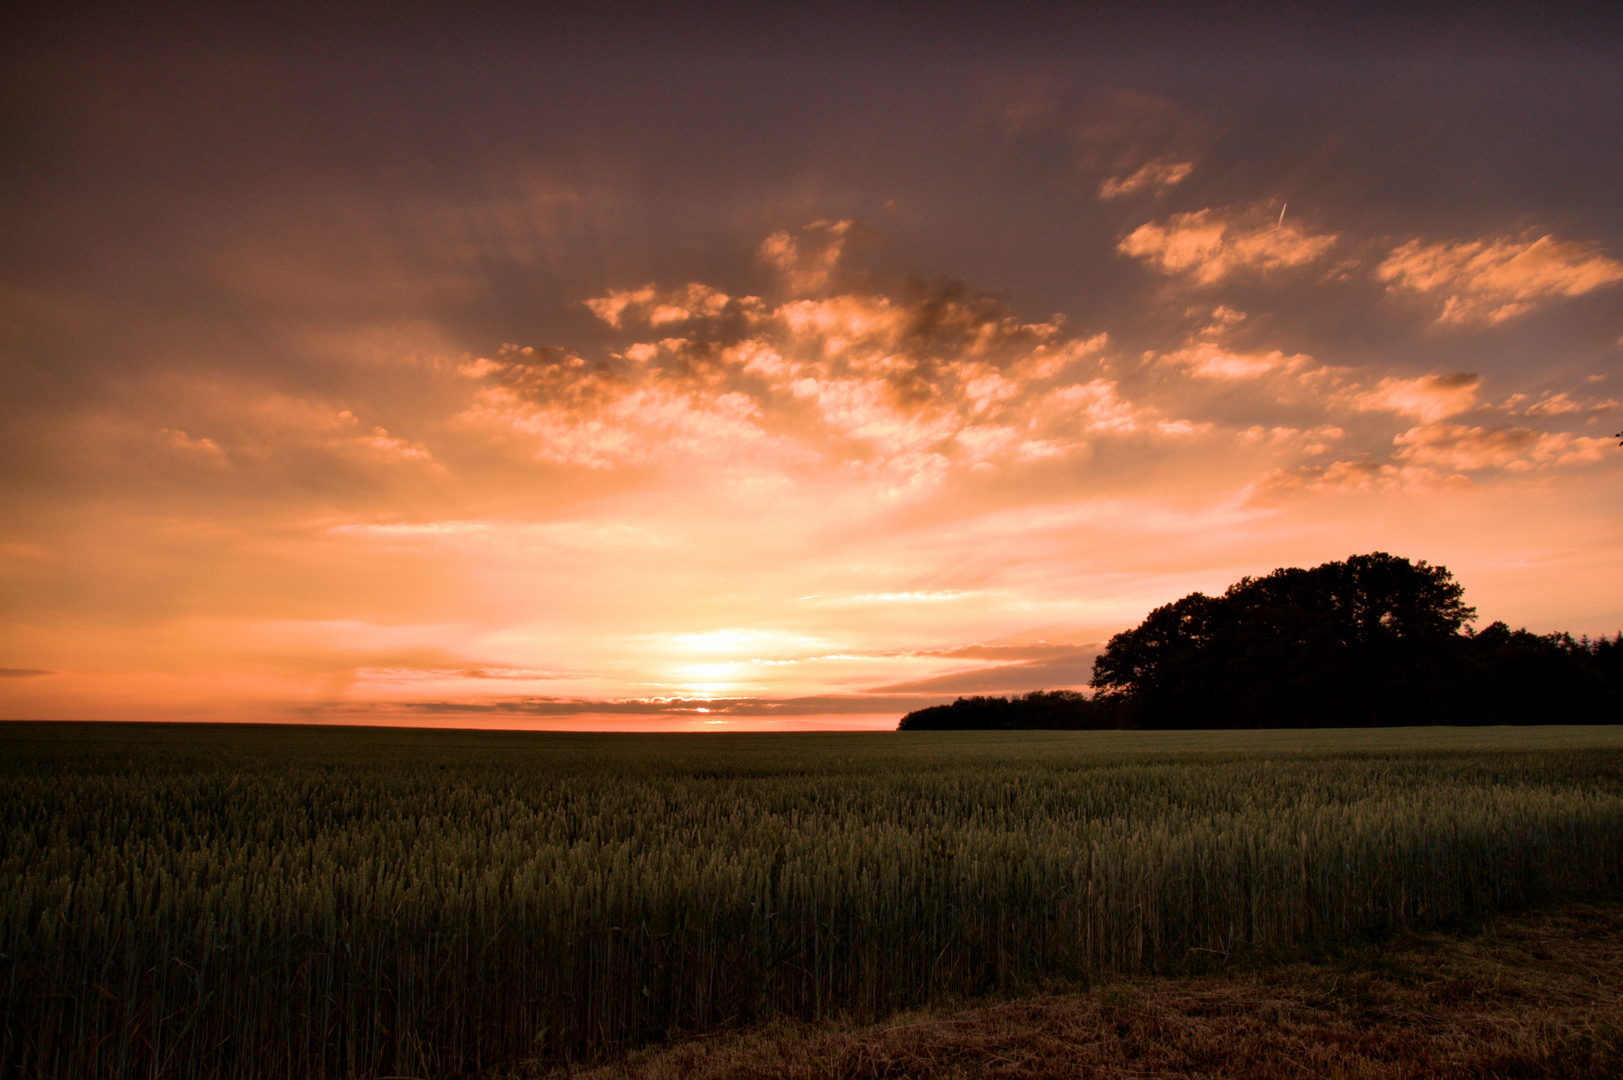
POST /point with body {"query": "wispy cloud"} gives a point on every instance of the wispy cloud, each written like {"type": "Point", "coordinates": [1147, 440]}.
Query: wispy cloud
{"type": "Point", "coordinates": [1553, 403]}
{"type": "Point", "coordinates": [1209, 246]}
{"type": "Point", "coordinates": [1465, 448]}
{"type": "Point", "coordinates": [807, 261]}
{"type": "Point", "coordinates": [1158, 175]}
{"type": "Point", "coordinates": [1012, 669]}
{"type": "Point", "coordinates": [820, 705]}
{"type": "Point", "coordinates": [1210, 360]}
{"type": "Point", "coordinates": [917, 596]}
{"type": "Point", "coordinates": [1488, 281]}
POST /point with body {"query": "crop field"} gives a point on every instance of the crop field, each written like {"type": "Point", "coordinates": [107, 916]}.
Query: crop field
{"type": "Point", "coordinates": [302, 902]}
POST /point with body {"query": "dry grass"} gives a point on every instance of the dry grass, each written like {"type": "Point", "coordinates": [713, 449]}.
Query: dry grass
{"type": "Point", "coordinates": [1533, 996]}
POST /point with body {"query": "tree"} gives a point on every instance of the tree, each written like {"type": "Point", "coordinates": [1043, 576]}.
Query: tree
{"type": "Point", "coordinates": [1062, 710]}
{"type": "Point", "coordinates": [1354, 642]}
{"type": "Point", "coordinates": [1518, 677]}
{"type": "Point", "coordinates": [1374, 640]}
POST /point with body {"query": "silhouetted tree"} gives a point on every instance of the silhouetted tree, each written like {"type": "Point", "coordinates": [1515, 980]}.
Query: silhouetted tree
{"type": "Point", "coordinates": [1054, 710]}
{"type": "Point", "coordinates": [1354, 642]}
{"type": "Point", "coordinates": [1518, 677]}
{"type": "Point", "coordinates": [1374, 640]}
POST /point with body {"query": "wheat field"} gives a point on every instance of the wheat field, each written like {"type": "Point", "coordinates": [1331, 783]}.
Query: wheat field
{"type": "Point", "coordinates": [304, 902]}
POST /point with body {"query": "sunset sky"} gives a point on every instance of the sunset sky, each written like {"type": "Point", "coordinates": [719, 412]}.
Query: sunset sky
{"type": "Point", "coordinates": [612, 372]}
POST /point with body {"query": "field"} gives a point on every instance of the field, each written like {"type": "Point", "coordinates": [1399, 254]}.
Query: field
{"type": "Point", "coordinates": [303, 902]}
{"type": "Point", "coordinates": [1539, 994]}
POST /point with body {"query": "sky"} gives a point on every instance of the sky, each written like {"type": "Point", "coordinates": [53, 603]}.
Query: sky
{"type": "Point", "coordinates": [586, 368]}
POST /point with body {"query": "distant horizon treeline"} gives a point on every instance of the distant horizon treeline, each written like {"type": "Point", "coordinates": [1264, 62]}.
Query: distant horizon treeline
{"type": "Point", "coordinates": [1372, 641]}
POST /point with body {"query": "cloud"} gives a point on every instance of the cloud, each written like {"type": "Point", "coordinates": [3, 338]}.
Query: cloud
{"type": "Point", "coordinates": [1427, 398]}
{"type": "Point", "coordinates": [603, 426]}
{"type": "Point", "coordinates": [1558, 404]}
{"type": "Point", "coordinates": [1462, 448]}
{"type": "Point", "coordinates": [389, 448]}
{"type": "Point", "coordinates": [284, 432]}
{"type": "Point", "coordinates": [1489, 281]}
{"type": "Point", "coordinates": [202, 447]}
{"type": "Point", "coordinates": [1437, 454]}
{"type": "Point", "coordinates": [1157, 174]}
{"type": "Point", "coordinates": [817, 705]}
{"type": "Point", "coordinates": [420, 672]}
{"type": "Point", "coordinates": [1059, 667]}
{"type": "Point", "coordinates": [24, 672]}
{"type": "Point", "coordinates": [651, 307]}
{"type": "Point", "coordinates": [904, 388]}
{"type": "Point", "coordinates": [807, 262]}
{"type": "Point", "coordinates": [1360, 476]}
{"type": "Point", "coordinates": [917, 596]}
{"type": "Point", "coordinates": [1312, 441]}
{"type": "Point", "coordinates": [1209, 360]}
{"type": "Point", "coordinates": [1207, 246]}
{"type": "Point", "coordinates": [416, 530]}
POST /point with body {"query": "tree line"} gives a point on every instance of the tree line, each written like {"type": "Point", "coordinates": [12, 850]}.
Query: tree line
{"type": "Point", "coordinates": [1372, 641]}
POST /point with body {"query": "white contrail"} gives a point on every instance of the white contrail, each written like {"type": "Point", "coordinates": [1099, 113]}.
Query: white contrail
{"type": "Point", "coordinates": [1282, 212]}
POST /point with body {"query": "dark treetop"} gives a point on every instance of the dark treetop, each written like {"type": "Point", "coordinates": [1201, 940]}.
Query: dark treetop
{"type": "Point", "coordinates": [1372, 641]}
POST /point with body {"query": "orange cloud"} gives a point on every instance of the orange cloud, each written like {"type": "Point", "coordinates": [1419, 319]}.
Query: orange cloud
{"type": "Point", "coordinates": [1157, 174]}
{"type": "Point", "coordinates": [912, 386]}
{"type": "Point", "coordinates": [807, 262]}
{"type": "Point", "coordinates": [1559, 404]}
{"type": "Point", "coordinates": [650, 307]}
{"type": "Point", "coordinates": [1208, 360]}
{"type": "Point", "coordinates": [1362, 476]}
{"type": "Point", "coordinates": [1455, 446]}
{"type": "Point", "coordinates": [1489, 281]}
{"type": "Point", "coordinates": [1428, 398]}
{"type": "Point", "coordinates": [1208, 246]}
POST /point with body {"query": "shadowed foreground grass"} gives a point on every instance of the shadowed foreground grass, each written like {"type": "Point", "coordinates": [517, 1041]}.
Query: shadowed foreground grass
{"type": "Point", "coordinates": [1532, 996]}
{"type": "Point", "coordinates": [297, 904]}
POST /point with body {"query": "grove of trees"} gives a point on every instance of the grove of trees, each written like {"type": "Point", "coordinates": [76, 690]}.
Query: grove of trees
{"type": "Point", "coordinates": [1375, 640]}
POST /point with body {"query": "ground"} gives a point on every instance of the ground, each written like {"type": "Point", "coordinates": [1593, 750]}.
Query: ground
{"type": "Point", "coordinates": [1536, 995]}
